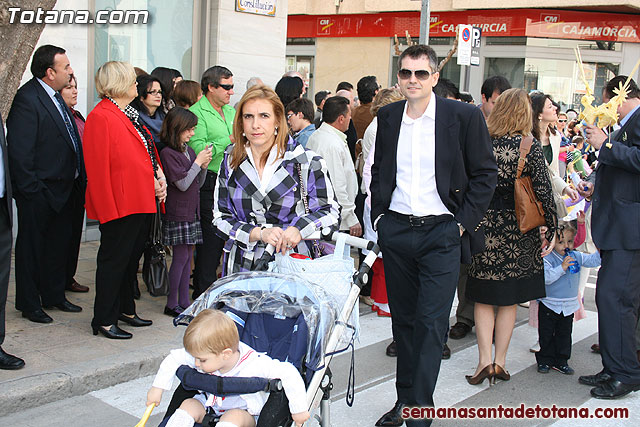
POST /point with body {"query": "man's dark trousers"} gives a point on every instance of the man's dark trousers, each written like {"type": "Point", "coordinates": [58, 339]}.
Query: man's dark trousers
{"type": "Point", "coordinates": [421, 267]}
{"type": "Point", "coordinates": [43, 241]}
{"type": "Point", "coordinates": [5, 260]}
{"type": "Point", "coordinates": [77, 221]}
{"type": "Point", "coordinates": [209, 252]}
{"type": "Point", "coordinates": [617, 299]}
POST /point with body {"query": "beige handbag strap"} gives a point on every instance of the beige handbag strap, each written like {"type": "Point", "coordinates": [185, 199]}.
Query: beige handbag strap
{"type": "Point", "coordinates": [525, 147]}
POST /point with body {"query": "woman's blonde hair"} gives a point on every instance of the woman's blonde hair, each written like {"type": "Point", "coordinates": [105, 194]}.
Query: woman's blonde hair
{"type": "Point", "coordinates": [211, 331]}
{"type": "Point", "coordinates": [239, 153]}
{"type": "Point", "coordinates": [511, 115]}
{"type": "Point", "coordinates": [114, 78]}
{"type": "Point", "coordinates": [384, 97]}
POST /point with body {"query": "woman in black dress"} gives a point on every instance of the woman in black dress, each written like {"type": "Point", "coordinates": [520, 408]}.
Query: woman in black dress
{"type": "Point", "coordinates": [510, 270]}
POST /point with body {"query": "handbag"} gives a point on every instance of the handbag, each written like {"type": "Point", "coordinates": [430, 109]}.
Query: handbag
{"type": "Point", "coordinates": [154, 272]}
{"type": "Point", "coordinates": [318, 249]}
{"type": "Point", "coordinates": [529, 212]}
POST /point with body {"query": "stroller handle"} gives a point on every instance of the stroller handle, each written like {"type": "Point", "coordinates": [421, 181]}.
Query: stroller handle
{"type": "Point", "coordinates": [360, 278]}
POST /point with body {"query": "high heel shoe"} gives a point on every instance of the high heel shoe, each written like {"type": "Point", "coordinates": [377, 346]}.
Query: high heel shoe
{"type": "Point", "coordinates": [500, 373]}
{"type": "Point", "coordinates": [114, 332]}
{"type": "Point", "coordinates": [486, 372]}
{"type": "Point", "coordinates": [135, 320]}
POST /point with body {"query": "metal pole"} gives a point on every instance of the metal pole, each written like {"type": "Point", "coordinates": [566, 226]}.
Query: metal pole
{"type": "Point", "coordinates": [425, 22]}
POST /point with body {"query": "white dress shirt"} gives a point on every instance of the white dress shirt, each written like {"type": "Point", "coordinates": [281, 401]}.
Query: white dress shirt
{"type": "Point", "coordinates": [331, 145]}
{"type": "Point", "coordinates": [416, 192]}
{"type": "Point", "coordinates": [269, 167]}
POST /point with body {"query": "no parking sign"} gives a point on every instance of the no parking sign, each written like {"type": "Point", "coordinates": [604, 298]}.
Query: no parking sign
{"type": "Point", "coordinates": [469, 45]}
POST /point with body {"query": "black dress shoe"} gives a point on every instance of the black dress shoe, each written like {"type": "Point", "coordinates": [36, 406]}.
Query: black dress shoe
{"type": "Point", "coordinates": [76, 287]}
{"type": "Point", "coordinates": [446, 352]}
{"type": "Point", "coordinates": [135, 320]}
{"type": "Point", "coordinates": [37, 316]}
{"type": "Point", "coordinates": [393, 417]}
{"type": "Point", "coordinates": [594, 380]}
{"type": "Point", "coordinates": [613, 389]}
{"type": "Point", "coordinates": [114, 332]}
{"type": "Point", "coordinates": [66, 306]}
{"type": "Point", "coordinates": [10, 362]}
{"type": "Point", "coordinates": [392, 349]}
{"type": "Point", "coordinates": [459, 331]}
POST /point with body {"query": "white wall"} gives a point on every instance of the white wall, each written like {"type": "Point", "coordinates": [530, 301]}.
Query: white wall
{"type": "Point", "coordinates": [248, 45]}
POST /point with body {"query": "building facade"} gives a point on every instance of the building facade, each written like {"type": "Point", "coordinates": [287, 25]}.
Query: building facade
{"type": "Point", "coordinates": [529, 42]}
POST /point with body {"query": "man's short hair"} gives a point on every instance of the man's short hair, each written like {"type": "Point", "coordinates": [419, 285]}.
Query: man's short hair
{"type": "Point", "coordinates": [304, 106]}
{"type": "Point", "coordinates": [335, 107]}
{"type": "Point", "coordinates": [212, 76]}
{"type": "Point", "coordinates": [43, 59]}
{"type": "Point", "coordinates": [367, 87]}
{"type": "Point", "coordinates": [345, 86]}
{"type": "Point", "coordinates": [614, 83]}
{"type": "Point", "coordinates": [211, 331]}
{"type": "Point", "coordinates": [494, 83]}
{"type": "Point", "coordinates": [466, 97]}
{"type": "Point", "coordinates": [446, 89]}
{"type": "Point", "coordinates": [321, 96]}
{"type": "Point", "coordinates": [417, 51]}
{"type": "Point", "coordinates": [254, 81]}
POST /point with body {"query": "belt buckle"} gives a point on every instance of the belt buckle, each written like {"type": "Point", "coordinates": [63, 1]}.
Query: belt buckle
{"type": "Point", "coordinates": [416, 221]}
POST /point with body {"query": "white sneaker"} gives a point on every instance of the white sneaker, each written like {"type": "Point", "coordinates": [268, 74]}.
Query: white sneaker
{"type": "Point", "coordinates": [535, 348]}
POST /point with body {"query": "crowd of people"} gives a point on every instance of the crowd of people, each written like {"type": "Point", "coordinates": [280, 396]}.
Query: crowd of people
{"type": "Point", "coordinates": [416, 167]}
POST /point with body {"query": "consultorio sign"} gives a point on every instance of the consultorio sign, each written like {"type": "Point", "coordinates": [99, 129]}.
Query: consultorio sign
{"type": "Point", "coordinates": [259, 7]}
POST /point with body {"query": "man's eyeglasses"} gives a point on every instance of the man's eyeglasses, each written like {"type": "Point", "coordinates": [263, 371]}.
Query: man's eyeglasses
{"type": "Point", "coordinates": [405, 74]}
{"type": "Point", "coordinates": [289, 115]}
{"type": "Point", "coordinates": [155, 92]}
{"type": "Point", "coordinates": [226, 87]}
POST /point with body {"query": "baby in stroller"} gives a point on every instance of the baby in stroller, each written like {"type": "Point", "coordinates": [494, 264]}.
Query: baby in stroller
{"type": "Point", "coordinates": [212, 345]}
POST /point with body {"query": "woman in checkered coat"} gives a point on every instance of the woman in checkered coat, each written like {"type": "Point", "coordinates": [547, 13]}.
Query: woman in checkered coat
{"type": "Point", "coordinates": [258, 197]}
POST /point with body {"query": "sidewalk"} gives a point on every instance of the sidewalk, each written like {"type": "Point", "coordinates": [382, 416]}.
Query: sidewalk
{"type": "Point", "coordinates": [64, 359]}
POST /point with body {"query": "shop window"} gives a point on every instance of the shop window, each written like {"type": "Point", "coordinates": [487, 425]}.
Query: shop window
{"type": "Point", "coordinates": [561, 79]}
{"type": "Point", "coordinates": [163, 42]}
{"type": "Point", "coordinates": [503, 41]}
{"type": "Point", "coordinates": [510, 68]}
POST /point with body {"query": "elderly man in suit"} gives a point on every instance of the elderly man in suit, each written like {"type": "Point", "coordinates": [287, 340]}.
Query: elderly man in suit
{"type": "Point", "coordinates": [614, 226]}
{"type": "Point", "coordinates": [433, 177]}
{"type": "Point", "coordinates": [7, 361]}
{"type": "Point", "coordinates": [48, 178]}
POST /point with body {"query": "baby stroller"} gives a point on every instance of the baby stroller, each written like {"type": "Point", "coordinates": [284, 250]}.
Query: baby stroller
{"type": "Point", "coordinates": [297, 311]}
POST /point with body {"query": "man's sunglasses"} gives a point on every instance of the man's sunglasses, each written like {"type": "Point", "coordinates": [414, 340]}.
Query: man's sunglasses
{"type": "Point", "coordinates": [405, 74]}
{"type": "Point", "coordinates": [226, 87]}
{"type": "Point", "coordinates": [562, 120]}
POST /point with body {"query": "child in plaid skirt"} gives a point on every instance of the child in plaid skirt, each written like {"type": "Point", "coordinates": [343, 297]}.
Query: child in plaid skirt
{"type": "Point", "coordinates": [181, 228]}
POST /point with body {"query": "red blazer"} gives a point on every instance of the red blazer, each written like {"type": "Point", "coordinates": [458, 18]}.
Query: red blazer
{"type": "Point", "coordinates": [119, 173]}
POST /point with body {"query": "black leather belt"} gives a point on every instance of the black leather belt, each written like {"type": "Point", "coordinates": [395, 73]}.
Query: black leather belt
{"type": "Point", "coordinates": [420, 221]}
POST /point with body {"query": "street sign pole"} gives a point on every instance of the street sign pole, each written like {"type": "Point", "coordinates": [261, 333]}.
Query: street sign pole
{"type": "Point", "coordinates": [425, 20]}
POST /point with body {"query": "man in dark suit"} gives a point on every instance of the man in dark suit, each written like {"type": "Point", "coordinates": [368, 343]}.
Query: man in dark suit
{"type": "Point", "coordinates": [7, 361]}
{"type": "Point", "coordinates": [433, 177]}
{"type": "Point", "coordinates": [614, 226]}
{"type": "Point", "coordinates": [48, 178]}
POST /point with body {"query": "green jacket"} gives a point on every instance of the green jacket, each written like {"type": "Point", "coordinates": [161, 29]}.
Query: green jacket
{"type": "Point", "coordinates": [211, 129]}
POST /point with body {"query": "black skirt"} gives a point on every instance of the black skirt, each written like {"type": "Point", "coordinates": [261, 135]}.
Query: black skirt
{"type": "Point", "coordinates": [505, 292]}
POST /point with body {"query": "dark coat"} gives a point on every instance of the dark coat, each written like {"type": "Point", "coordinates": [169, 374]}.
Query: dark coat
{"type": "Point", "coordinates": [466, 171]}
{"type": "Point", "coordinates": [7, 176]}
{"type": "Point", "coordinates": [181, 206]}
{"type": "Point", "coordinates": [41, 153]}
{"type": "Point", "coordinates": [616, 198]}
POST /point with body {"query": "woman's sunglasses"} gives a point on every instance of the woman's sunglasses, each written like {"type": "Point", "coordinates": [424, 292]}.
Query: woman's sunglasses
{"type": "Point", "coordinates": [405, 74]}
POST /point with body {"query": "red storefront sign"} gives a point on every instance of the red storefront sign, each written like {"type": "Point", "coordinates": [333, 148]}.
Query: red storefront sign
{"type": "Point", "coordinates": [494, 23]}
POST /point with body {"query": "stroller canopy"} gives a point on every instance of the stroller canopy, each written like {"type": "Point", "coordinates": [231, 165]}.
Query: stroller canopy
{"type": "Point", "coordinates": [278, 295]}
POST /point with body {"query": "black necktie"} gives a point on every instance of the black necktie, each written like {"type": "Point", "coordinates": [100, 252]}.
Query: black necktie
{"type": "Point", "coordinates": [70, 129]}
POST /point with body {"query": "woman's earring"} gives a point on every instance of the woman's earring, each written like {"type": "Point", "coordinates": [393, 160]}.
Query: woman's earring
{"type": "Point", "coordinates": [243, 134]}
{"type": "Point", "coordinates": [276, 132]}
